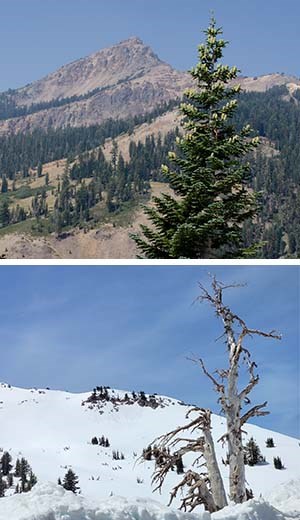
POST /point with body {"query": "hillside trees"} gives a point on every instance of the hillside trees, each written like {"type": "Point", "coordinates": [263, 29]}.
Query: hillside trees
{"type": "Point", "coordinates": [210, 178]}
{"type": "Point", "coordinates": [206, 487]}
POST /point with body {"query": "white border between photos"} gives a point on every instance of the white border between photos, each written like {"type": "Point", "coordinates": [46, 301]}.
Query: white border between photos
{"type": "Point", "coordinates": [138, 262]}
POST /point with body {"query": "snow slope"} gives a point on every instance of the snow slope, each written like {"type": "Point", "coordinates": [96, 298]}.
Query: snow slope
{"type": "Point", "coordinates": [53, 430]}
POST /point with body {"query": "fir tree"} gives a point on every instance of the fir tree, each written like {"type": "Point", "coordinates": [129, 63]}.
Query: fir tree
{"type": "Point", "coordinates": [10, 480]}
{"type": "Point", "coordinates": [179, 466]}
{"type": "Point", "coordinates": [210, 176]}
{"type": "Point", "coordinates": [18, 468]}
{"type": "Point", "coordinates": [70, 482]}
{"type": "Point", "coordinates": [278, 463]}
{"type": "Point", "coordinates": [31, 481]}
{"type": "Point", "coordinates": [252, 453]}
{"type": "Point", "coordinates": [270, 442]}
{"type": "Point", "coordinates": [6, 463]}
{"type": "Point", "coordinates": [2, 487]}
{"type": "Point", "coordinates": [4, 186]}
{"type": "Point", "coordinates": [4, 213]}
{"type": "Point", "coordinates": [39, 169]}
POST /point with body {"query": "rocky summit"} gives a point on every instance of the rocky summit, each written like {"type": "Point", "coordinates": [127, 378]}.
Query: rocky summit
{"type": "Point", "coordinates": [121, 81]}
{"type": "Point", "coordinates": [124, 80]}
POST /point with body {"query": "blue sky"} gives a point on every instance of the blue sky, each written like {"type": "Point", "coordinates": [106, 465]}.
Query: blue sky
{"type": "Point", "coordinates": [132, 327]}
{"type": "Point", "coordinates": [38, 36]}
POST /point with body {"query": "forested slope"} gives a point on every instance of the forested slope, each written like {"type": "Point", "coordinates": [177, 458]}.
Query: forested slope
{"type": "Point", "coordinates": [95, 185]}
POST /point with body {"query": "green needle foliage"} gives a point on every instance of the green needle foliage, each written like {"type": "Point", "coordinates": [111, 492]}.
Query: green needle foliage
{"type": "Point", "coordinates": [209, 176]}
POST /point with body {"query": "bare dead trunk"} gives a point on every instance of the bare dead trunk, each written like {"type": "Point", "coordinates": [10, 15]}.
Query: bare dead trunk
{"type": "Point", "coordinates": [230, 398]}
{"type": "Point", "coordinates": [216, 482]}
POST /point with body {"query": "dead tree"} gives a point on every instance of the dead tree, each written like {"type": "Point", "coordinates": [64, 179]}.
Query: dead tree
{"type": "Point", "coordinates": [202, 488]}
{"type": "Point", "coordinates": [206, 487]}
{"type": "Point", "coordinates": [225, 382]}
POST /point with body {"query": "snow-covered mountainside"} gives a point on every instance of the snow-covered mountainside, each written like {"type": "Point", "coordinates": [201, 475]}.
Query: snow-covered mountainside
{"type": "Point", "coordinates": [53, 430]}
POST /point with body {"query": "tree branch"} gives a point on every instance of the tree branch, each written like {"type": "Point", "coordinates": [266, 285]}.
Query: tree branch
{"type": "Point", "coordinates": [254, 412]}
{"type": "Point", "coordinates": [198, 493]}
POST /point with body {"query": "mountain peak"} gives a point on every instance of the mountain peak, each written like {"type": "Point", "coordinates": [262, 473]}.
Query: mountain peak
{"type": "Point", "coordinates": [133, 40]}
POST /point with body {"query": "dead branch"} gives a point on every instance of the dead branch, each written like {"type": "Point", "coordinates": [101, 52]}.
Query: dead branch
{"type": "Point", "coordinates": [198, 492]}
{"type": "Point", "coordinates": [254, 412]}
{"type": "Point", "coordinates": [218, 386]}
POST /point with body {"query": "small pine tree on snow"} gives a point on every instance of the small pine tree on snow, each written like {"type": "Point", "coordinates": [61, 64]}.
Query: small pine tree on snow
{"type": "Point", "coordinates": [18, 468]}
{"type": "Point", "coordinates": [143, 397]}
{"type": "Point", "coordinates": [252, 454]}
{"type": "Point", "coordinates": [278, 463]}
{"type": "Point", "coordinates": [249, 494]}
{"type": "Point", "coordinates": [6, 465]}
{"type": "Point", "coordinates": [32, 481]}
{"type": "Point", "coordinates": [116, 455]}
{"type": "Point", "coordinates": [70, 482]}
{"type": "Point", "coordinates": [10, 480]}
{"type": "Point", "coordinates": [2, 487]}
{"type": "Point", "coordinates": [179, 466]}
{"type": "Point", "coordinates": [270, 442]}
{"type": "Point", "coordinates": [59, 482]}
{"type": "Point", "coordinates": [94, 440]}
{"type": "Point", "coordinates": [24, 469]}
{"type": "Point", "coordinates": [107, 443]}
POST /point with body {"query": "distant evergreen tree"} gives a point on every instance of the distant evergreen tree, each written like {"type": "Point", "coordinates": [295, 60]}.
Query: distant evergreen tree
{"type": "Point", "coordinates": [32, 480]}
{"type": "Point", "coordinates": [6, 465]}
{"type": "Point", "coordinates": [70, 482]}
{"type": "Point", "coordinates": [4, 186]}
{"type": "Point", "coordinates": [278, 463]}
{"type": "Point", "coordinates": [10, 480]}
{"type": "Point", "coordinates": [210, 178]}
{"type": "Point", "coordinates": [116, 455]}
{"type": "Point", "coordinates": [252, 454]}
{"type": "Point", "coordinates": [2, 487]}
{"type": "Point", "coordinates": [39, 169]}
{"type": "Point", "coordinates": [143, 397]}
{"type": "Point", "coordinates": [270, 442]}
{"type": "Point", "coordinates": [249, 494]}
{"type": "Point", "coordinates": [59, 482]}
{"type": "Point", "coordinates": [94, 440]}
{"type": "Point", "coordinates": [4, 213]}
{"type": "Point", "coordinates": [179, 466]}
{"type": "Point", "coordinates": [18, 468]}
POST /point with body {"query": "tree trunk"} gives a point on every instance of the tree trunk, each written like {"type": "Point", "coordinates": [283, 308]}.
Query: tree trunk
{"type": "Point", "coordinates": [216, 482]}
{"type": "Point", "coordinates": [237, 479]}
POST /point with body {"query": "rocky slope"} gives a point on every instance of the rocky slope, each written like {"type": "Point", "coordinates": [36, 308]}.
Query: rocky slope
{"type": "Point", "coordinates": [121, 81]}
{"type": "Point", "coordinates": [124, 80]}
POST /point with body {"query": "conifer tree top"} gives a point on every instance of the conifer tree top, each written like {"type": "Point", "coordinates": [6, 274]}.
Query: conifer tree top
{"type": "Point", "coordinates": [209, 176]}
